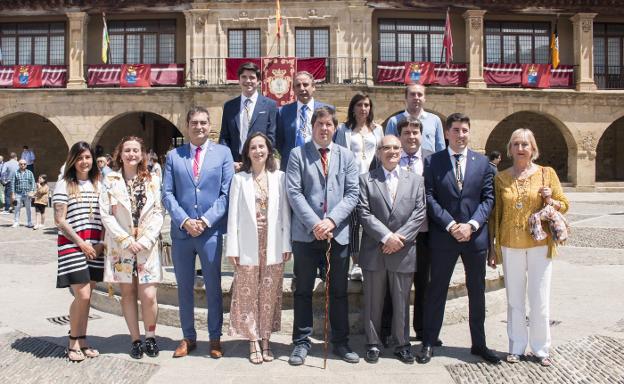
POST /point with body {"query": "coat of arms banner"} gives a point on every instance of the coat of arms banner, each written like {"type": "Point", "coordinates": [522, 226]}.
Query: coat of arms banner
{"type": "Point", "coordinates": [277, 78]}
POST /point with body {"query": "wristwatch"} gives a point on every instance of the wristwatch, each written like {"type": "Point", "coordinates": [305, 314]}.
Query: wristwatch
{"type": "Point", "coordinates": [474, 229]}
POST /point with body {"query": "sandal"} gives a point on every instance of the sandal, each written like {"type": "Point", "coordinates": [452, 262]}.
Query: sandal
{"type": "Point", "coordinates": [74, 355]}
{"type": "Point", "coordinates": [255, 356]}
{"type": "Point", "coordinates": [267, 354]}
{"type": "Point", "coordinates": [88, 351]}
{"type": "Point", "coordinates": [545, 361]}
{"type": "Point", "coordinates": [512, 359]}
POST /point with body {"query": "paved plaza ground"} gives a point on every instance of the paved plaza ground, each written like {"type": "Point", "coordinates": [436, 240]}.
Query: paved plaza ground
{"type": "Point", "coordinates": [587, 313]}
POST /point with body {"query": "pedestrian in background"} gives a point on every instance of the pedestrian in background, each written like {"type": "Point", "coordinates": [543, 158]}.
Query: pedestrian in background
{"type": "Point", "coordinates": [22, 191]}
{"type": "Point", "coordinates": [41, 200]}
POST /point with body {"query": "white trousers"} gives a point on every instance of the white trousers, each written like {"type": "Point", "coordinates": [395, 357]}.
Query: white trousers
{"type": "Point", "coordinates": [532, 266]}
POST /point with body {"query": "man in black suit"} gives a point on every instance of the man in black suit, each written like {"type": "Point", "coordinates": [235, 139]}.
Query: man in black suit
{"type": "Point", "coordinates": [460, 196]}
{"type": "Point", "coordinates": [250, 112]}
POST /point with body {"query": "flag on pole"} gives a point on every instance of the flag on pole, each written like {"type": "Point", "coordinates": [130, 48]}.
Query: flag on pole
{"type": "Point", "coordinates": [105, 41]}
{"type": "Point", "coordinates": [447, 42]}
{"type": "Point", "coordinates": [554, 47]}
{"type": "Point", "coordinates": [278, 18]}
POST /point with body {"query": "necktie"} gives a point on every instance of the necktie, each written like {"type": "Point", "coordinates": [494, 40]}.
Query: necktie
{"type": "Point", "coordinates": [325, 164]}
{"type": "Point", "coordinates": [411, 159]}
{"type": "Point", "coordinates": [246, 119]}
{"type": "Point", "coordinates": [459, 178]}
{"type": "Point", "coordinates": [303, 123]}
{"type": "Point", "coordinates": [196, 163]}
{"type": "Point", "coordinates": [392, 185]}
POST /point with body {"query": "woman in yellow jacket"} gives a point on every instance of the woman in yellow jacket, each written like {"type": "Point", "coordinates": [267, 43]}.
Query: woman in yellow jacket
{"type": "Point", "coordinates": [520, 191]}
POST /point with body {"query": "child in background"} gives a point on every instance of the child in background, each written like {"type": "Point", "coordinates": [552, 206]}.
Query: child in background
{"type": "Point", "coordinates": [41, 201]}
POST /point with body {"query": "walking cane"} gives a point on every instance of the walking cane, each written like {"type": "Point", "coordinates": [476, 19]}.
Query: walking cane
{"type": "Point", "coordinates": [326, 333]}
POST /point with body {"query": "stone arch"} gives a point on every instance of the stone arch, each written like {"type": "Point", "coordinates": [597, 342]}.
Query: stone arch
{"type": "Point", "coordinates": [610, 153]}
{"type": "Point", "coordinates": [554, 140]}
{"type": "Point", "coordinates": [158, 132]}
{"type": "Point", "coordinates": [40, 134]}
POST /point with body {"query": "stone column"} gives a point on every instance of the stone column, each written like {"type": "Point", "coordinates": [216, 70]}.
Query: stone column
{"type": "Point", "coordinates": [474, 47]}
{"type": "Point", "coordinates": [195, 20]}
{"type": "Point", "coordinates": [583, 32]}
{"type": "Point", "coordinates": [77, 44]}
{"type": "Point", "coordinates": [360, 47]}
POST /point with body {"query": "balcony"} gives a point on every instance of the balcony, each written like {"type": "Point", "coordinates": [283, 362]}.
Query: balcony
{"type": "Point", "coordinates": [609, 77]}
{"type": "Point", "coordinates": [206, 71]}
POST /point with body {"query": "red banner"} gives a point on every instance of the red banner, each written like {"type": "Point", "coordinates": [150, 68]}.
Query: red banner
{"type": "Point", "coordinates": [232, 65]}
{"type": "Point", "coordinates": [502, 74]}
{"type": "Point", "coordinates": [562, 77]}
{"type": "Point", "coordinates": [315, 65]}
{"type": "Point", "coordinates": [536, 75]}
{"type": "Point", "coordinates": [167, 75]}
{"type": "Point", "coordinates": [390, 72]}
{"type": "Point", "coordinates": [6, 76]}
{"type": "Point", "coordinates": [277, 79]}
{"type": "Point", "coordinates": [27, 76]}
{"type": "Point", "coordinates": [455, 75]}
{"type": "Point", "coordinates": [135, 75]}
{"type": "Point", "coordinates": [54, 76]}
{"type": "Point", "coordinates": [419, 73]}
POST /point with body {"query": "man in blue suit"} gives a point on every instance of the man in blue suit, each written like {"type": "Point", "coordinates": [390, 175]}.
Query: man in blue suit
{"type": "Point", "coordinates": [250, 112]}
{"type": "Point", "coordinates": [322, 188]}
{"type": "Point", "coordinates": [460, 196]}
{"type": "Point", "coordinates": [195, 193]}
{"type": "Point", "coordinates": [294, 121]}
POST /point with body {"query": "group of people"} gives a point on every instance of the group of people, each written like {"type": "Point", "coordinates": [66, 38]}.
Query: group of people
{"type": "Point", "coordinates": [421, 204]}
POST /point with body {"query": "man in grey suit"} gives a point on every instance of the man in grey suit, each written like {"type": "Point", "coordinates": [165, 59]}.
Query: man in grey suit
{"type": "Point", "coordinates": [392, 210]}
{"type": "Point", "coordinates": [322, 188]}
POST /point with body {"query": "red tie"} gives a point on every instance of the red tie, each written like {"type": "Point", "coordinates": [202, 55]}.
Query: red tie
{"type": "Point", "coordinates": [196, 163]}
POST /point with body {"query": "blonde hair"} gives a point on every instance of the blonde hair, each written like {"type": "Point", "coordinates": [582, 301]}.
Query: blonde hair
{"type": "Point", "coordinates": [528, 135]}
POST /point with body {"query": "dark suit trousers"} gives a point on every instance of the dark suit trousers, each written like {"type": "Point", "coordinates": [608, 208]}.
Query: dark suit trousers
{"type": "Point", "coordinates": [307, 257]}
{"type": "Point", "coordinates": [421, 281]}
{"type": "Point", "coordinates": [442, 266]}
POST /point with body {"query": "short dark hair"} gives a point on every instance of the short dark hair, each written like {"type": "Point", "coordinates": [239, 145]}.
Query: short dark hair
{"type": "Point", "coordinates": [196, 109]}
{"type": "Point", "coordinates": [248, 66]}
{"type": "Point", "coordinates": [44, 177]}
{"type": "Point", "coordinates": [494, 155]}
{"type": "Point", "coordinates": [457, 117]}
{"type": "Point", "coordinates": [323, 111]}
{"type": "Point", "coordinates": [270, 162]}
{"type": "Point", "coordinates": [413, 122]}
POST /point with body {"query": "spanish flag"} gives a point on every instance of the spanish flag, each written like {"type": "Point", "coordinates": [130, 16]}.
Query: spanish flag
{"type": "Point", "coordinates": [278, 18]}
{"type": "Point", "coordinates": [105, 41]}
{"type": "Point", "coordinates": [554, 48]}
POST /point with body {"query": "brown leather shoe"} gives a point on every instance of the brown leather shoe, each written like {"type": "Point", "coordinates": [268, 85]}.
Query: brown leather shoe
{"type": "Point", "coordinates": [215, 349]}
{"type": "Point", "coordinates": [185, 347]}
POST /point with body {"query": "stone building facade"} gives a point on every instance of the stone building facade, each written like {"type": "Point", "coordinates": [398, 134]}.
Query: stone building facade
{"type": "Point", "coordinates": [580, 129]}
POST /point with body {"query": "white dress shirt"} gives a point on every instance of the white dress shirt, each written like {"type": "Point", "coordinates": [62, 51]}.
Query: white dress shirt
{"type": "Point", "coordinates": [309, 112]}
{"type": "Point", "coordinates": [418, 162]}
{"type": "Point", "coordinates": [253, 100]}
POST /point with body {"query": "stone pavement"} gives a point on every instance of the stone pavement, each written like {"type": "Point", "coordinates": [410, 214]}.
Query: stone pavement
{"type": "Point", "coordinates": [587, 312]}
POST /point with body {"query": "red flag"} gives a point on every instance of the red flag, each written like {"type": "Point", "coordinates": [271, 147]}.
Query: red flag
{"type": "Point", "coordinates": [135, 75]}
{"type": "Point", "coordinates": [421, 72]}
{"type": "Point", "coordinates": [536, 75]}
{"type": "Point", "coordinates": [277, 78]}
{"type": "Point", "coordinates": [447, 42]}
{"type": "Point", "coordinates": [27, 76]}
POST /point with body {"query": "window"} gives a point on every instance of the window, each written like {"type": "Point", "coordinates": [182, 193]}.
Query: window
{"type": "Point", "coordinates": [609, 55]}
{"type": "Point", "coordinates": [517, 42]}
{"type": "Point", "coordinates": [411, 40]}
{"type": "Point", "coordinates": [142, 42]}
{"type": "Point", "coordinates": [244, 43]}
{"type": "Point", "coordinates": [33, 43]}
{"type": "Point", "coordinates": [312, 42]}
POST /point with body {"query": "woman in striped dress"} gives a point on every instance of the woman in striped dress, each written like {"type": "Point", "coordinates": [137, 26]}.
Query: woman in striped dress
{"type": "Point", "coordinates": [80, 246]}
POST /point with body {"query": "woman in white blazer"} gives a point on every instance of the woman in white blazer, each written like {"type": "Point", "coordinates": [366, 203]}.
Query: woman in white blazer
{"type": "Point", "coordinates": [132, 215]}
{"type": "Point", "coordinates": [361, 135]}
{"type": "Point", "coordinates": [258, 244]}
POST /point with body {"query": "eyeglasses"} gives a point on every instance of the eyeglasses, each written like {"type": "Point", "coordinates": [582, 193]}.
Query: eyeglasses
{"type": "Point", "coordinates": [199, 122]}
{"type": "Point", "coordinates": [387, 148]}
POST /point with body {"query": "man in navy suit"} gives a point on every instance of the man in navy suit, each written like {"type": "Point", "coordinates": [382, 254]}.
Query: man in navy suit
{"type": "Point", "coordinates": [294, 122]}
{"type": "Point", "coordinates": [460, 196]}
{"type": "Point", "coordinates": [250, 112]}
{"type": "Point", "coordinates": [195, 193]}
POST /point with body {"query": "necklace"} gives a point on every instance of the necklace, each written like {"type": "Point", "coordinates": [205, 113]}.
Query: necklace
{"type": "Point", "coordinates": [522, 192]}
{"type": "Point", "coordinates": [259, 181]}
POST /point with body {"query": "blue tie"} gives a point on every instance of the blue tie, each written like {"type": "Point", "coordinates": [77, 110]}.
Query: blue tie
{"type": "Point", "coordinates": [303, 121]}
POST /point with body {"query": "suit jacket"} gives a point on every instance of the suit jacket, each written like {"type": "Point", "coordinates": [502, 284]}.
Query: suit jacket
{"type": "Point", "coordinates": [379, 217]}
{"type": "Point", "coordinates": [263, 119]}
{"type": "Point", "coordinates": [308, 188]}
{"type": "Point", "coordinates": [184, 197]}
{"type": "Point", "coordinates": [116, 213]}
{"type": "Point", "coordinates": [242, 238]}
{"type": "Point", "coordinates": [445, 202]}
{"type": "Point", "coordinates": [286, 133]}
